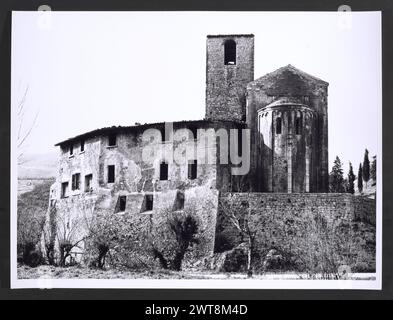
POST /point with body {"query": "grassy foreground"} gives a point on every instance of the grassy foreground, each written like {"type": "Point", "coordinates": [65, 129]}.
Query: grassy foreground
{"type": "Point", "coordinates": [77, 272]}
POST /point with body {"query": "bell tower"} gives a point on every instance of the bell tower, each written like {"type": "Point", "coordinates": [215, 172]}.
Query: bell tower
{"type": "Point", "coordinates": [229, 68]}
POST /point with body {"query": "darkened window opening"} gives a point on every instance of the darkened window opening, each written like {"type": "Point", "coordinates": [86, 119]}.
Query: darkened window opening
{"type": "Point", "coordinates": [147, 203]}
{"type": "Point", "coordinates": [75, 181]}
{"type": "Point", "coordinates": [82, 145]}
{"type": "Point", "coordinates": [163, 171]}
{"type": "Point", "coordinates": [230, 52]}
{"type": "Point", "coordinates": [88, 181]}
{"type": "Point", "coordinates": [193, 133]}
{"type": "Point", "coordinates": [121, 204]}
{"type": "Point", "coordinates": [71, 149]}
{"type": "Point", "coordinates": [192, 169]}
{"type": "Point", "coordinates": [240, 141]}
{"type": "Point", "coordinates": [163, 137]}
{"type": "Point", "coordinates": [179, 201]}
{"type": "Point", "coordinates": [64, 189]}
{"type": "Point", "coordinates": [112, 140]}
{"type": "Point", "coordinates": [278, 125]}
{"type": "Point", "coordinates": [298, 125]}
{"type": "Point", "coordinates": [111, 174]}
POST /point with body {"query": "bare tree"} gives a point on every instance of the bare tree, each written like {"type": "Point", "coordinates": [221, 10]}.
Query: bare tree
{"type": "Point", "coordinates": [240, 218]}
{"type": "Point", "coordinates": [24, 128]}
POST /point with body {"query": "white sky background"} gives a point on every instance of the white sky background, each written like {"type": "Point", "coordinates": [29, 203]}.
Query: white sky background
{"type": "Point", "coordinates": [98, 69]}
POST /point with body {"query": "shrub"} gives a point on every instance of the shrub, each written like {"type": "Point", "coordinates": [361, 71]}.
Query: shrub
{"type": "Point", "coordinates": [236, 260]}
{"type": "Point", "coordinates": [30, 255]}
{"type": "Point", "coordinates": [222, 242]}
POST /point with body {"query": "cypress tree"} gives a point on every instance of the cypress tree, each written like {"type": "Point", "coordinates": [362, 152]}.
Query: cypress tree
{"type": "Point", "coordinates": [360, 179]}
{"type": "Point", "coordinates": [366, 167]}
{"type": "Point", "coordinates": [337, 177]}
{"type": "Point", "coordinates": [373, 170]}
{"type": "Point", "coordinates": [351, 180]}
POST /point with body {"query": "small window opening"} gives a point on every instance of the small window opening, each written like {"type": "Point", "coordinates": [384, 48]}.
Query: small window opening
{"type": "Point", "coordinates": [192, 169]}
{"type": "Point", "coordinates": [298, 125]}
{"type": "Point", "coordinates": [75, 181]}
{"type": "Point", "coordinates": [121, 204]}
{"type": "Point", "coordinates": [179, 201]}
{"type": "Point", "coordinates": [278, 125]}
{"type": "Point", "coordinates": [163, 171]}
{"type": "Point", "coordinates": [88, 183]}
{"type": "Point", "coordinates": [240, 141]}
{"type": "Point", "coordinates": [112, 140]}
{"type": "Point", "coordinates": [147, 203]}
{"type": "Point", "coordinates": [164, 138]}
{"type": "Point", "coordinates": [230, 52]}
{"type": "Point", "coordinates": [64, 189]}
{"type": "Point", "coordinates": [82, 145]}
{"type": "Point", "coordinates": [71, 149]}
{"type": "Point", "coordinates": [111, 174]}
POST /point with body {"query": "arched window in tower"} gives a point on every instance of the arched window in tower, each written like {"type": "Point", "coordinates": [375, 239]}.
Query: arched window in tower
{"type": "Point", "coordinates": [278, 125]}
{"type": "Point", "coordinates": [298, 125]}
{"type": "Point", "coordinates": [230, 52]}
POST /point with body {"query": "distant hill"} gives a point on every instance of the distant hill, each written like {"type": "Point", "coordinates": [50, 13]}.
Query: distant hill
{"type": "Point", "coordinates": [38, 166]}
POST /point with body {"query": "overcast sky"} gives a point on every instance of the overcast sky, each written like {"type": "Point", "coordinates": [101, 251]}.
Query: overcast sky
{"type": "Point", "coordinates": [90, 70]}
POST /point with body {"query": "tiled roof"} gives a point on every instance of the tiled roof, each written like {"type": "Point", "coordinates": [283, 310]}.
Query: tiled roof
{"type": "Point", "coordinates": [108, 130]}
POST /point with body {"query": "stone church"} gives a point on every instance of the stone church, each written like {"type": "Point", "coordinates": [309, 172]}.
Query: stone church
{"type": "Point", "coordinates": [286, 115]}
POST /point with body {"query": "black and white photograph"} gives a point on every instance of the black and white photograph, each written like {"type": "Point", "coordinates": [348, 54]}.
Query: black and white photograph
{"type": "Point", "coordinates": [237, 150]}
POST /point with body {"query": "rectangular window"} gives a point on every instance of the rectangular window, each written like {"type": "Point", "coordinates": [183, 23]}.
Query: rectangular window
{"type": "Point", "coordinates": [64, 189]}
{"type": "Point", "coordinates": [71, 149]}
{"type": "Point", "coordinates": [75, 181]}
{"type": "Point", "coordinates": [147, 203]}
{"type": "Point", "coordinates": [163, 171]}
{"type": "Point", "coordinates": [192, 169]}
{"type": "Point", "coordinates": [230, 52]}
{"type": "Point", "coordinates": [112, 140]}
{"type": "Point", "coordinates": [82, 145]}
{"type": "Point", "coordinates": [121, 204]}
{"type": "Point", "coordinates": [111, 174]}
{"type": "Point", "coordinates": [88, 183]}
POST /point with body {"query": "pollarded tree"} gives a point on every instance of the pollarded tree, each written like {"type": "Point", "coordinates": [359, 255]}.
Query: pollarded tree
{"type": "Point", "coordinates": [360, 179]}
{"type": "Point", "coordinates": [337, 177]}
{"type": "Point", "coordinates": [366, 167]}
{"type": "Point", "coordinates": [351, 180]}
{"type": "Point", "coordinates": [173, 238]}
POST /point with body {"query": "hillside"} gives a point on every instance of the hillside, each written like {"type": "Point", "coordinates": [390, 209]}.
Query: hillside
{"type": "Point", "coordinates": [38, 166]}
{"type": "Point", "coordinates": [369, 189]}
{"type": "Point", "coordinates": [32, 207]}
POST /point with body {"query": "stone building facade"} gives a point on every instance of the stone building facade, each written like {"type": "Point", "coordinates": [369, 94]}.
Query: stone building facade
{"type": "Point", "coordinates": [285, 113]}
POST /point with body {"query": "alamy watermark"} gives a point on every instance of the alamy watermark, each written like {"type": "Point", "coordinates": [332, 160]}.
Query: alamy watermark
{"type": "Point", "coordinates": [206, 146]}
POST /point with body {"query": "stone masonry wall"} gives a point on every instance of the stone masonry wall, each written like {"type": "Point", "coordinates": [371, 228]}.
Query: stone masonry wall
{"type": "Point", "coordinates": [295, 224]}
{"type": "Point", "coordinates": [226, 84]}
{"type": "Point", "coordinates": [134, 178]}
